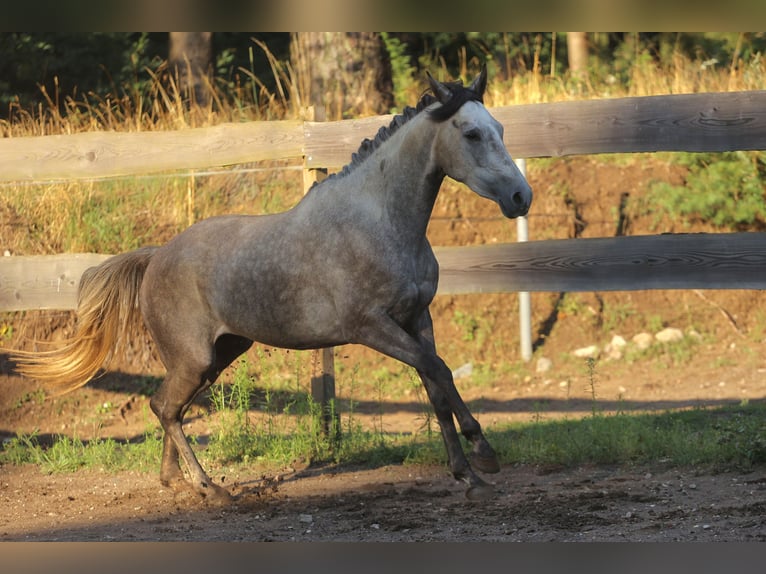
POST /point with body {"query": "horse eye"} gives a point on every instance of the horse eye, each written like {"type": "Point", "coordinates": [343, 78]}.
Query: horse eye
{"type": "Point", "coordinates": [473, 135]}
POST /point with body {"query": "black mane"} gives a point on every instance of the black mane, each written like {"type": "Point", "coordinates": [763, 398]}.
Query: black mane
{"type": "Point", "coordinates": [460, 95]}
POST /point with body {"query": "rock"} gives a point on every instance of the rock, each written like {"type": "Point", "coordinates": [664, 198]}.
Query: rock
{"type": "Point", "coordinates": [544, 365]}
{"type": "Point", "coordinates": [614, 349]}
{"type": "Point", "coordinates": [669, 335]}
{"type": "Point", "coordinates": [643, 340]}
{"type": "Point", "coordinates": [463, 371]}
{"type": "Point", "coordinates": [617, 342]}
{"type": "Point", "coordinates": [590, 352]}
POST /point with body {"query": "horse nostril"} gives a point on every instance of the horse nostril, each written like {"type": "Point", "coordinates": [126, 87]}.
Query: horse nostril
{"type": "Point", "coordinates": [518, 199]}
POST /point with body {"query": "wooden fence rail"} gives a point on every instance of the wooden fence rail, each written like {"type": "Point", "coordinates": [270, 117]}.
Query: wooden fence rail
{"type": "Point", "coordinates": [694, 122]}
{"type": "Point", "coordinates": [670, 261]}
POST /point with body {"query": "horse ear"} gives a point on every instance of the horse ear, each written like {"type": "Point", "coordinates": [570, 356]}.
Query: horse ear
{"type": "Point", "coordinates": [441, 91]}
{"type": "Point", "coordinates": [480, 83]}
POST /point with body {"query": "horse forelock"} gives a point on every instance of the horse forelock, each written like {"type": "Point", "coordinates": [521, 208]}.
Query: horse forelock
{"type": "Point", "coordinates": [460, 95]}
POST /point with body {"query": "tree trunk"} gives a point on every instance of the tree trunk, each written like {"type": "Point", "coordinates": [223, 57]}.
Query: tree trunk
{"type": "Point", "coordinates": [190, 60]}
{"type": "Point", "coordinates": [349, 74]}
{"type": "Point", "coordinates": [577, 51]}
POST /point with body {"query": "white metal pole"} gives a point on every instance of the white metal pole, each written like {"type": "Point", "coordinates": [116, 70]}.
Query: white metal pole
{"type": "Point", "coordinates": [525, 301]}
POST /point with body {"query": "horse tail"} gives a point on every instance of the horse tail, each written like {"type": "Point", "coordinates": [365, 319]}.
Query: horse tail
{"type": "Point", "coordinates": [107, 314]}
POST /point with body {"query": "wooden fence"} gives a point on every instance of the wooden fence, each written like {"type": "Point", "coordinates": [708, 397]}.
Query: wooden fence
{"type": "Point", "coordinates": [695, 123]}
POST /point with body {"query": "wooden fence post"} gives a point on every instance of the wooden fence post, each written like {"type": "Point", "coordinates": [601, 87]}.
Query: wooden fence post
{"type": "Point", "coordinates": [322, 360]}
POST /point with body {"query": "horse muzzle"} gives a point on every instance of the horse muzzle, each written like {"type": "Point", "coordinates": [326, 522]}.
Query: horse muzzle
{"type": "Point", "coordinates": [517, 203]}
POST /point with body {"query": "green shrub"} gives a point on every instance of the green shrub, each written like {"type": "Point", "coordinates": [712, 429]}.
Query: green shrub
{"type": "Point", "coordinates": [727, 190]}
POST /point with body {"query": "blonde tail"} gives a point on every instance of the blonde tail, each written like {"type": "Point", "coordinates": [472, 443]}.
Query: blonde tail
{"type": "Point", "coordinates": [107, 314]}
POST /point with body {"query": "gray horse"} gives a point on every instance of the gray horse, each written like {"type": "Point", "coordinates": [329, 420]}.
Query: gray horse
{"type": "Point", "coordinates": [349, 263]}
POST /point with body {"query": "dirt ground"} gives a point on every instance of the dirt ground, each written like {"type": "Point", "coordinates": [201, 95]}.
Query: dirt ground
{"type": "Point", "coordinates": [574, 198]}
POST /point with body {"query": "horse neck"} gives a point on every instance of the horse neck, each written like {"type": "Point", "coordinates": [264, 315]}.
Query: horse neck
{"type": "Point", "coordinates": [403, 179]}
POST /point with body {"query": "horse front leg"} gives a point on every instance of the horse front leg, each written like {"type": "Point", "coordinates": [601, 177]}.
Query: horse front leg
{"type": "Point", "coordinates": [459, 465]}
{"type": "Point", "coordinates": [383, 334]}
{"type": "Point", "coordinates": [483, 456]}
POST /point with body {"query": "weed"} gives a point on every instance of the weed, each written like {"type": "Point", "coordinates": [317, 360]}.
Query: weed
{"type": "Point", "coordinates": [468, 325]}
{"type": "Point", "coordinates": [36, 397]}
{"type": "Point", "coordinates": [654, 323]}
{"type": "Point", "coordinates": [105, 407]}
{"type": "Point", "coordinates": [590, 365]}
{"type": "Point", "coordinates": [233, 435]}
{"type": "Point", "coordinates": [615, 315]}
{"type": "Point", "coordinates": [571, 305]}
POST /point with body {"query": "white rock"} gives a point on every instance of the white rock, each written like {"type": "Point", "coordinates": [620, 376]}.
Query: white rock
{"type": "Point", "coordinates": [643, 340]}
{"type": "Point", "coordinates": [590, 352]}
{"type": "Point", "coordinates": [463, 371]}
{"type": "Point", "coordinates": [306, 518]}
{"type": "Point", "coordinates": [614, 349]}
{"type": "Point", "coordinates": [617, 342]}
{"type": "Point", "coordinates": [544, 365]}
{"type": "Point", "coordinates": [669, 335]}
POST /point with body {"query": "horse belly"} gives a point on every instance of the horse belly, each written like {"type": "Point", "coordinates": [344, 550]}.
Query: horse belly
{"type": "Point", "coordinates": [282, 319]}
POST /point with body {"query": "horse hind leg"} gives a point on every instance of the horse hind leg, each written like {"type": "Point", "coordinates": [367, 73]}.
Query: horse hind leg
{"type": "Point", "coordinates": [170, 403]}
{"type": "Point", "coordinates": [182, 384]}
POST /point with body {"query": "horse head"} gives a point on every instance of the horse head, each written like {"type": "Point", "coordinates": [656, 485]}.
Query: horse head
{"type": "Point", "coordinates": [469, 146]}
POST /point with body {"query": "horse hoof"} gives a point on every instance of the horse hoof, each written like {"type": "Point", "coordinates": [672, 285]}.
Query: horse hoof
{"type": "Point", "coordinates": [486, 464]}
{"type": "Point", "coordinates": [176, 484]}
{"type": "Point", "coordinates": [479, 492]}
{"type": "Point", "coordinates": [215, 494]}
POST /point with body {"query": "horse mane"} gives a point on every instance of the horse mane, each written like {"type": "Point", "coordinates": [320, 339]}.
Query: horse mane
{"type": "Point", "coordinates": [460, 95]}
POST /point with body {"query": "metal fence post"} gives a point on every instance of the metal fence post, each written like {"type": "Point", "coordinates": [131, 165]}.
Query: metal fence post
{"type": "Point", "coordinates": [525, 301]}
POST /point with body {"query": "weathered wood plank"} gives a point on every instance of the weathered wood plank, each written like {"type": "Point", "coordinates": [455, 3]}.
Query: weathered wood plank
{"type": "Point", "coordinates": [671, 261]}
{"type": "Point", "coordinates": [108, 154]}
{"type": "Point", "coordinates": [43, 281]}
{"type": "Point", "coordinates": [694, 122]}
{"type": "Point", "coordinates": [691, 122]}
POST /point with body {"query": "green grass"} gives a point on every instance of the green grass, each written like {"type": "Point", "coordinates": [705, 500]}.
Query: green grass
{"type": "Point", "coordinates": [67, 454]}
{"type": "Point", "coordinates": [732, 436]}
{"type": "Point", "coordinates": [718, 438]}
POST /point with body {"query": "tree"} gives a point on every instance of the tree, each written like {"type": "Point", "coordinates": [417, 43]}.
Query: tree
{"type": "Point", "coordinates": [190, 60]}
{"type": "Point", "coordinates": [347, 73]}
{"type": "Point", "coordinates": [577, 50]}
